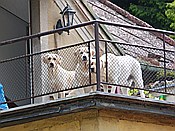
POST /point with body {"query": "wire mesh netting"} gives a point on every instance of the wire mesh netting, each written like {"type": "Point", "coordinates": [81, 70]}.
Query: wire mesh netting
{"type": "Point", "coordinates": [54, 71]}
{"type": "Point", "coordinates": [157, 66]}
{"type": "Point", "coordinates": [60, 70]}
{"type": "Point", "coordinates": [16, 79]}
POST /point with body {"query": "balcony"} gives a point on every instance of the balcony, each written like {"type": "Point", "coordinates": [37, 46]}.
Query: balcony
{"type": "Point", "coordinates": [29, 84]}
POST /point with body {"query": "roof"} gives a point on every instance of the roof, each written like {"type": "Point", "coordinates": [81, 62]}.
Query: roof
{"type": "Point", "coordinates": [106, 10]}
{"type": "Point", "coordinates": [134, 19]}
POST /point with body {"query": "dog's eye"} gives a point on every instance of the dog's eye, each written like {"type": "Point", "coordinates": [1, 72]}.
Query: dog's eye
{"type": "Point", "coordinates": [81, 52]}
{"type": "Point", "coordinates": [49, 58]}
{"type": "Point", "coordinates": [54, 58]}
{"type": "Point", "coordinates": [92, 63]}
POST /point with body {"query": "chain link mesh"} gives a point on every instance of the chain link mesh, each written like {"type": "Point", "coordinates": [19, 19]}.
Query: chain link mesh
{"type": "Point", "coordinates": [28, 77]}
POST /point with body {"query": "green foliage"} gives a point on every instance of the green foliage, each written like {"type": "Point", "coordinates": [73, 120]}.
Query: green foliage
{"type": "Point", "coordinates": [134, 92]}
{"type": "Point", "coordinates": [152, 12]}
{"type": "Point", "coordinates": [170, 13]}
{"type": "Point", "coordinates": [168, 73]}
{"type": "Point", "coordinates": [123, 3]}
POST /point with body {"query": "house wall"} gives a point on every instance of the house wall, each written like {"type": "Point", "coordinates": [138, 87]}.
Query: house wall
{"type": "Point", "coordinates": [47, 17]}
{"type": "Point", "coordinates": [98, 120]}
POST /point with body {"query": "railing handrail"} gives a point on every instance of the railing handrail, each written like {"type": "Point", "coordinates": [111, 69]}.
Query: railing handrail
{"type": "Point", "coordinates": [45, 51]}
{"type": "Point", "coordinates": [37, 35]}
{"type": "Point", "coordinates": [135, 45]}
{"type": "Point", "coordinates": [136, 27]}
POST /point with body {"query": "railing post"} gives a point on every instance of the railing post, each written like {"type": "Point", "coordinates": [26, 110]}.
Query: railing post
{"type": "Point", "coordinates": [164, 55]}
{"type": "Point", "coordinates": [106, 65]}
{"type": "Point", "coordinates": [89, 63]}
{"type": "Point", "coordinates": [96, 31]}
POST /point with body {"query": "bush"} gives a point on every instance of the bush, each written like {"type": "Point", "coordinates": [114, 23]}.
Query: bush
{"type": "Point", "coordinates": [169, 73]}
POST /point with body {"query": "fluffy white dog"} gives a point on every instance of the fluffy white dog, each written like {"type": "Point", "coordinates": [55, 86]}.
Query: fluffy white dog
{"type": "Point", "coordinates": [123, 70]}
{"type": "Point", "coordinates": [59, 78]}
{"type": "Point", "coordinates": [84, 56]}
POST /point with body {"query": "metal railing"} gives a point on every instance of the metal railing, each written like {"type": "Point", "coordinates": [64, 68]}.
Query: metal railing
{"type": "Point", "coordinates": [36, 81]}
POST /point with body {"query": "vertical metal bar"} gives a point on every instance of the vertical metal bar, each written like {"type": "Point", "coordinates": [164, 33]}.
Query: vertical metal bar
{"type": "Point", "coordinates": [26, 71]}
{"type": "Point", "coordinates": [31, 72]}
{"type": "Point", "coordinates": [164, 55]}
{"type": "Point", "coordinates": [89, 62]}
{"type": "Point", "coordinates": [31, 78]}
{"type": "Point", "coordinates": [30, 75]}
{"type": "Point", "coordinates": [96, 31]}
{"type": "Point", "coordinates": [106, 50]}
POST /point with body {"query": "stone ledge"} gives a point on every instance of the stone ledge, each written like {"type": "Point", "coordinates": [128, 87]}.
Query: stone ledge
{"type": "Point", "coordinates": [95, 100]}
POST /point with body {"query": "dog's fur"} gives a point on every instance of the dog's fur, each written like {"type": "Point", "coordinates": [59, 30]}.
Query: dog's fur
{"type": "Point", "coordinates": [122, 70]}
{"type": "Point", "coordinates": [59, 78]}
{"type": "Point", "coordinates": [82, 70]}
{"type": "Point", "coordinates": [94, 72]}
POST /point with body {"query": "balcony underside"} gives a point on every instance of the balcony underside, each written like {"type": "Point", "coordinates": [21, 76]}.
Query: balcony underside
{"type": "Point", "coordinates": [95, 100]}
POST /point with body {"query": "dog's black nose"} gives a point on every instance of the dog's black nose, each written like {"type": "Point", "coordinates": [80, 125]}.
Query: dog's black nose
{"type": "Point", "coordinates": [51, 65]}
{"type": "Point", "coordinates": [84, 58]}
{"type": "Point", "coordinates": [92, 70]}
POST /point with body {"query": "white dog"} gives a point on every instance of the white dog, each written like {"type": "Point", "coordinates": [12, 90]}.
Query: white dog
{"type": "Point", "coordinates": [122, 70]}
{"type": "Point", "coordinates": [59, 78]}
{"type": "Point", "coordinates": [82, 72]}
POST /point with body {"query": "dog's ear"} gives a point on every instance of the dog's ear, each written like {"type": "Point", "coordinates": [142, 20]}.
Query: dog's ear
{"type": "Point", "coordinates": [76, 52]}
{"type": "Point", "coordinates": [92, 52]}
{"type": "Point", "coordinates": [101, 52]}
{"type": "Point", "coordinates": [59, 58]}
{"type": "Point", "coordinates": [103, 64]}
{"type": "Point", "coordinates": [44, 58]}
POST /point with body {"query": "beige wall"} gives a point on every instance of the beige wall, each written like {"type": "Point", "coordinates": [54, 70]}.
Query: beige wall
{"type": "Point", "coordinates": [57, 40]}
{"type": "Point", "coordinates": [98, 120]}
{"type": "Point", "coordinates": [50, 13]}
{"type": "Point", "coordinates": [45, 14]}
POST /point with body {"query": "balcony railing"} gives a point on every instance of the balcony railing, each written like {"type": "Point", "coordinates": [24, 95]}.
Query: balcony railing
{"type": "Point", "coordinates": [28, 79]}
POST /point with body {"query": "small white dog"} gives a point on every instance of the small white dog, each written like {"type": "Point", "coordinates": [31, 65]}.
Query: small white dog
{"type": "Point", "coordinates": [82, 72]}
{"type": "Point", "coordinates": [122, 70]}
{"type": "Point", "coordinates": [59, 78]}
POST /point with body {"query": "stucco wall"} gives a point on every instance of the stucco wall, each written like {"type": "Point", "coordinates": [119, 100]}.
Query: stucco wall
{"type": "Point", "coordinates": [98, 120]}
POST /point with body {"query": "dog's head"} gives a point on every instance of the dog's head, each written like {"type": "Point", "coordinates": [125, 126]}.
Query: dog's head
{"type": "Point", "coordinates": [52, 60]}
{"type": "Point", "coordinates": [84, 54]}
{"type": "Point", "coordinates": [93, 65]}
